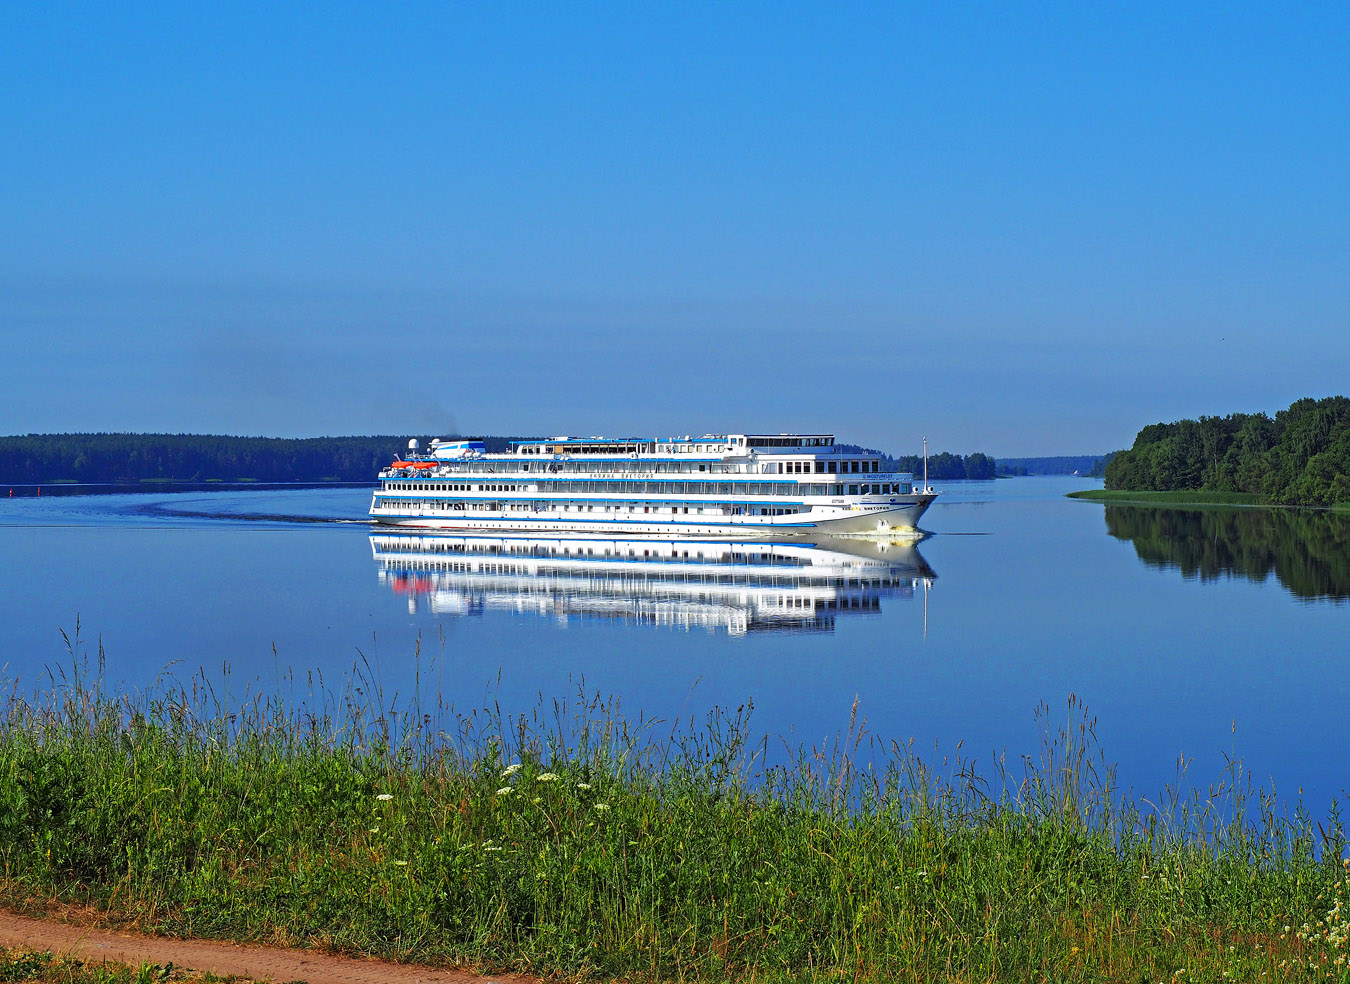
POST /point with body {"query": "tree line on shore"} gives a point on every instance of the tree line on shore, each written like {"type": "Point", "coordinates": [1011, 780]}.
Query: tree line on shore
{"type": "Point", "coordinates": [98, 458]}
{"type": "Point", "coordinates": [944, 466]}
{"type": "Point", "coordinates": [1300, 457]}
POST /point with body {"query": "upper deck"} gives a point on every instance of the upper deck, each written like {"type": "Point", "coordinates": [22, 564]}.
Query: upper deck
{"type": "Point", "coordinates": [711, 456]}
{"type": "Point", "coordinates": [709, 445]}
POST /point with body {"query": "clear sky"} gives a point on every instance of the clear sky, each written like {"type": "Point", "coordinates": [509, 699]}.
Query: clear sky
{"type": "Point", "coordinates": [1016, 228]}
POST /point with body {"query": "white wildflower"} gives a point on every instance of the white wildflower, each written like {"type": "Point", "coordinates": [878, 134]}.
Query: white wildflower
{"type": "Point", "coordinates": [506, 791]}
{"type": "Point", "coordinates": [547, 777]}
{"type": "Point", "coordinates": [583, 785]}
{"type": "Point", "coordinates": [511, 770]}
{"type": "Point", "coordinates": [602, 807]}
{"type": "Point", "coordinates": [385, 797]}
{"type": "Point", "coordinates": [401, 864]}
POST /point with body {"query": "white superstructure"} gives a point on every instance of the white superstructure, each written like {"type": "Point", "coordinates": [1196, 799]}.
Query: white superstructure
{"type": "Point", "coordinates": [710, 486]}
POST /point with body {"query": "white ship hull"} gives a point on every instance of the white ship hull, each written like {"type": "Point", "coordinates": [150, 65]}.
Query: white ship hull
{"type": "Point", "coordinates": [899, 518]}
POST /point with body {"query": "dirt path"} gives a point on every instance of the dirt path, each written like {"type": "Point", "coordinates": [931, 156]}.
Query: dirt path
{"type": "Point", "coordinates": [258, 963]}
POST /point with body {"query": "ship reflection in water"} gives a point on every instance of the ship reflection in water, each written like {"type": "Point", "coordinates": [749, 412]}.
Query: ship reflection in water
{"type": "Point", "coordinates": [792, 585]}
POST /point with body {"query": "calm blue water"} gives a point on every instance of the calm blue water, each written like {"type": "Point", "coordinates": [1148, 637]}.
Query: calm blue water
{"type": "Point", "coordinates": [1199, 635]}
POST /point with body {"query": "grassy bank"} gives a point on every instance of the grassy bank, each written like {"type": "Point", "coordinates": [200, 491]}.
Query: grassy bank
{"type": "Point", "coordinates": [45, 967]}
{"type": "Point", "coordinates": [586, 844]}
{"type": "Point", "coordinates": [1175, 498]}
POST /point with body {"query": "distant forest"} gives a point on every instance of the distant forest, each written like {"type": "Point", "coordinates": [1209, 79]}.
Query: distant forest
{"type": "Point", "coordinates": [1301, 457]}
{"type": "Point", "coordinates": [95, 458]}
{"type": "Point", "coordinates": [1065, 464]}
{"type": "Point", "coordinates": [943, 466]}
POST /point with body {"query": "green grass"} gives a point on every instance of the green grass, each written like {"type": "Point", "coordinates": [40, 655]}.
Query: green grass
{"type": "Point", "coordinates": [45, 967]}
{"type": "Point", "coordinates": [1187, 498]}
{"type": "Point", "coordinates": [583, 843]}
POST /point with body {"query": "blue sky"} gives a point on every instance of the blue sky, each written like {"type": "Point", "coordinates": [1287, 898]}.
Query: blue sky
{"type": "Point", "coordinates": [1022, 229]}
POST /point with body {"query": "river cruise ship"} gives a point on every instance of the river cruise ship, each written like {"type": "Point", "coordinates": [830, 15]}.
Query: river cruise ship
{"type": "Point", "coordinates": [716, 485]}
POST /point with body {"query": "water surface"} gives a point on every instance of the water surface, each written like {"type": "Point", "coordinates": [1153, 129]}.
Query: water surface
{"type": "Point", "coordinates": [1204, 635]}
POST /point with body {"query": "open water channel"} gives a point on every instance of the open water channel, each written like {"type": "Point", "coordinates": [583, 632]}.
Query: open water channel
{"type": "Point", "coordinates": [1204, 635]}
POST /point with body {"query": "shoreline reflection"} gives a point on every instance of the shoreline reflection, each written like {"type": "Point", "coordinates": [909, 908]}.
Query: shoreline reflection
{"type": "Point", "coordinates": [795, 585]}
{"type": "Point", "coordinates": [1308, 551]}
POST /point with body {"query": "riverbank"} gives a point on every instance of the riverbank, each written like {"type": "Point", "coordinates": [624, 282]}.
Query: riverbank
{"type": "Point", "coordinates": [1173, 498]}
{"type": "Point", "coordinates": [586, 845]}
{"type": "Point", "coordinates": [1196, 498]}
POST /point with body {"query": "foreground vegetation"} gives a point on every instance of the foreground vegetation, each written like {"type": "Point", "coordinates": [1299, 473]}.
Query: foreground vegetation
{"type": "Point", "coordinates": [585, 844]}
{"type": "Point", "coordinates": [1301, 457]}
{"type": "Point", "coordinates": [45, 967]}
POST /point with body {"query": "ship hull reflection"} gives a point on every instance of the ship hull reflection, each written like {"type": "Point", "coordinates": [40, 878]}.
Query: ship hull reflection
{"type": "Point", "coordinates": [796, 585]}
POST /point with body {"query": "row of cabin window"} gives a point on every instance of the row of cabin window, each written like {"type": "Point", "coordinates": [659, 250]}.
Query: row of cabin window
{"type": "Point", "coordinates": [660, 488]}
{"type": "Point", "coordinates": [569, 507]}
{"type": "Point", "coordinates": [819, 467]}
{"type": "Point", "coordinates": [804, 467]}
{"type": "Point", "coordinates": [453, 487]}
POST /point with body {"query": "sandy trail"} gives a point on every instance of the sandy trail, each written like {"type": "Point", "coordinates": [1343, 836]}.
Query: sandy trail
{"type": "Point", "coordinates": [260, 963]}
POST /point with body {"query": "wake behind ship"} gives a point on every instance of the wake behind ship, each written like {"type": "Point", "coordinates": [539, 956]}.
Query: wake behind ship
{"type": "Point", "coordinates": [710, 486]}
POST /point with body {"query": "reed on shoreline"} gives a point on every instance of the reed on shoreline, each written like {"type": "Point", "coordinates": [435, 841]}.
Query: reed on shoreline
{"type": "Point", "coordinates": [1178, 497]}
{"type": "Point", "coordinates": [588, 844]}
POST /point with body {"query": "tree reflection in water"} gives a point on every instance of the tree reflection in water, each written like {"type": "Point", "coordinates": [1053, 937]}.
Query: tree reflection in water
{"type": "Point", "coordinates": [1308, 551]}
